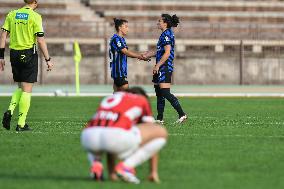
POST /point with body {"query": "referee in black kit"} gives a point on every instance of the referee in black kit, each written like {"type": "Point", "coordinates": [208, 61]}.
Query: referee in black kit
{"type": "Point", "coordinates": [24, 26]}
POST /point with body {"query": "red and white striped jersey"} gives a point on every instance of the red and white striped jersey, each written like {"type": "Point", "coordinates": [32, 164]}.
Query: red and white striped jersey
{"type": "Point", "coordinates": [122, 110]}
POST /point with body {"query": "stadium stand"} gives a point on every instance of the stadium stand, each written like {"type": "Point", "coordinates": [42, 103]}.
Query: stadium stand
{"type": "Point", "coordinates": [60, 17]}
{"type": "Point", "coordinates": [202, 19]}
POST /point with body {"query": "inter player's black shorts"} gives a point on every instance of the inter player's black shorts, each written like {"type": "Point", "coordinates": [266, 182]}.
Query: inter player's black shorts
{"type": "Point", "coordinates": [120, 81]}
{"type": "Point", "coordinates": [24, 65]}
{"type": "Point", "coordinates": [162, 77]}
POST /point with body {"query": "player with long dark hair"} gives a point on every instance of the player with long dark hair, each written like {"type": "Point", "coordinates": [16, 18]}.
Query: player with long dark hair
{"type": "Point", "coordinates": [162, 71]}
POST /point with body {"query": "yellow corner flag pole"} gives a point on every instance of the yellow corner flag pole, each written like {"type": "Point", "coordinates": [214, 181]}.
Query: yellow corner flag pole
{"type": "Point", "coordinates": [77, 59]}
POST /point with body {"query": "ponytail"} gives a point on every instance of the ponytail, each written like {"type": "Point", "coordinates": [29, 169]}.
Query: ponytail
{"type": "Point", "coordinates": [172, 21]}
{"type": "Point", "coordinates": [118, 23]}
{"type": "Point", "coordinates": [175, 20]}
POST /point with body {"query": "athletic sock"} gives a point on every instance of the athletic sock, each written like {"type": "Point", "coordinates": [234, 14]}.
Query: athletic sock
{"type": "Point", "coordinates": [160, 103]}
{"type": "Point", "coordinates": [173, 100]}
{"type": "Point", "coordinates": [145, 152]}
{"type": "Point", "coordinates": [15, 99]}
{"type": "Point", "coordinates": [24, 106]}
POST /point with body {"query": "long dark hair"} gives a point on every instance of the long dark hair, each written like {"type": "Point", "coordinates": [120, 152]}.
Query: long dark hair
{"type": "Point", "coordinates": [172, 21]}
{"type": "Point", "coordinates": [138, 91]}
{"type": "Point", "coordinates": [118, 22]}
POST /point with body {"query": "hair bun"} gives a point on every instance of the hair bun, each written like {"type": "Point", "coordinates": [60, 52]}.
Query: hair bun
{"type": "Point", "coordinates": [175, 20]}
{"type": "Point", "coordinates": [115, 20]}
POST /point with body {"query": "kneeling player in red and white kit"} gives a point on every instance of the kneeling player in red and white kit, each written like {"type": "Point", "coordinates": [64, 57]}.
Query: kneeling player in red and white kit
{"type": "Point", "coordinates": [123, 126]}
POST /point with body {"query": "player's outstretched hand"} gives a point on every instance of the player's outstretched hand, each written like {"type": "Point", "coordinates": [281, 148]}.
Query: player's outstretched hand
{"type": "Point", "coordinates": [49, 65]}
{"type": "Point", "coordinates": [2, 64]}
{"type": "Point", "coordinates": [154, 177]}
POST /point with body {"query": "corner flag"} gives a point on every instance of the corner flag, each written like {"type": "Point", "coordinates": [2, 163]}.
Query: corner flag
{"type": "Point", "coordinates": [77, 59]}
{"type": "Point", "coordinates": [77, 52]}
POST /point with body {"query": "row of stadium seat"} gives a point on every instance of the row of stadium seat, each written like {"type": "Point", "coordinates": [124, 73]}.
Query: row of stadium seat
{"type": "Point", "coordinates": [70, 19]}
{"type": "Point", "coordinates": [200, 19]}
{"type": "Point", "coordinates": [207, 11]}
{"type": "Point", "coordinates": [219, 5]}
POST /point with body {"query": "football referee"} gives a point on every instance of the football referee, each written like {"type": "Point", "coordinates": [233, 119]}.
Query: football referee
{"type": "Point", "coordinates": [24, 26]}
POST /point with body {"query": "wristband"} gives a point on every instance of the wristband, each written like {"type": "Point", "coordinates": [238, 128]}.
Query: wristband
{"type": "Point", "coordinates": [47, 60]}
{"type": "Point", "coordinates": [2, 50]}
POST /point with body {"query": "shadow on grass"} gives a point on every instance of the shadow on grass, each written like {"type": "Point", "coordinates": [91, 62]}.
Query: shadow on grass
{"type": "Point", "coordinates": [13, 176]}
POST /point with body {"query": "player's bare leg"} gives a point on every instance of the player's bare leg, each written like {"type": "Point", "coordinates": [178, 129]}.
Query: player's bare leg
{"type": "Point", "coordinates": [153, 138]}
{"type": "Point", "coordinates": [150, 131]}
{"type": "Point", "coordinates": [111, 166]}
{"type": "Point", "coordinates": [26, 87]}
{"type": "Point", "coordinates": [154, 176]}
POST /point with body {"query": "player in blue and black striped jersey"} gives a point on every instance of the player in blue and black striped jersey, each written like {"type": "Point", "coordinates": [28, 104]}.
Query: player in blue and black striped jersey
{"type": "Point", "coordinates": [118, 53]}
{"type": "Point", "coordinates": [162, 72]}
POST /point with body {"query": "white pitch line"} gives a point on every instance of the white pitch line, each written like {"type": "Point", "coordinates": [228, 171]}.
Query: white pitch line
{"type": "Point", "coordinates": [170, 134]}
{"type": "Point", "coordinates": [247, 95]}
{"type": "Point", "coordinates": [234, 136]}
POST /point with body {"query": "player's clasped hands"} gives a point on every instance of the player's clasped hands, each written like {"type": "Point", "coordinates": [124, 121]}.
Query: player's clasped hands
{"type": "Point", "coordinates": [144, 56]}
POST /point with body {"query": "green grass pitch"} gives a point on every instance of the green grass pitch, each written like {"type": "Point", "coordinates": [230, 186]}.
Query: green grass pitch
{"type": "Point", "coordinates": [226, 143]}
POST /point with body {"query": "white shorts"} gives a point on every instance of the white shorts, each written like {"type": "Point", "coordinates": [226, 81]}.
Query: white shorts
{"type": "Point", "coordinates": [116, 141]}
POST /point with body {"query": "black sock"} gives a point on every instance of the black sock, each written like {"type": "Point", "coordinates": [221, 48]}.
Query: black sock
{"type": "Point", "coordinates": [160, 103]}
{"type": "Point", "coordinates": [173, 100]}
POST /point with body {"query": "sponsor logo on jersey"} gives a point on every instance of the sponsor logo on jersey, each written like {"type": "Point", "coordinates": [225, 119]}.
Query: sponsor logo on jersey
{"type": "Point", "coordinates": [22, 16]}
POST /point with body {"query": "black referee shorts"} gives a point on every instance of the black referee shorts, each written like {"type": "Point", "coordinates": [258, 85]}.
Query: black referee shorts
{"type": "Point", "coordinates": [24, 65]}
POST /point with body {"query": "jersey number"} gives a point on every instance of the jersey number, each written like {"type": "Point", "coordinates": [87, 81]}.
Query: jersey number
{"type": "Point", "coordinates": [114, 100]}
{"type": "Point", "coordinates": [111, 101]}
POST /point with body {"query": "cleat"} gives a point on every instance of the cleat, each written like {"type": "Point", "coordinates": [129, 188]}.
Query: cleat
{"type": "Point", "coordinates": [25, 128]}
{"type": "Point", "coordinates": [97, 171]}
{"type": "Point", "coordinates": [160, 122]}
{"type": "Point", "coordinates": [181, 119]}
{"type": "Point", "coordinates": [7, 119]}
{"type": "Point", "coordinates": [126, 174]}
